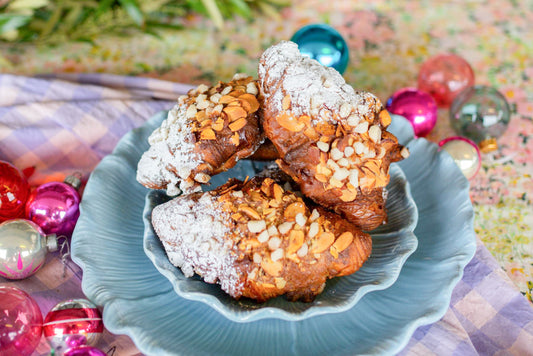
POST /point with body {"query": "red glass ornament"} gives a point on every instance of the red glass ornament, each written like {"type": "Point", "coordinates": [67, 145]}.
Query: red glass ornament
{"type": "Point", "coordinates": [84, 351]}
{"type": "Point", "coordinates": [444, 76]}
{"type": "Point", "coordinates": [418, 107]}
{"type": "Point", "coordinates": [20, 322]}
{"type": "Point", "coordinates": [14, 191]}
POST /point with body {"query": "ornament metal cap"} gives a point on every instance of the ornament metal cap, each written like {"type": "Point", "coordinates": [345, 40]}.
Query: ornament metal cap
{"type": "Point", "coordinates": [74, 180]}
{"type": "Point", "coordinates": [488, 145]}
{"type": "Point", "coordinates": [51, 242]}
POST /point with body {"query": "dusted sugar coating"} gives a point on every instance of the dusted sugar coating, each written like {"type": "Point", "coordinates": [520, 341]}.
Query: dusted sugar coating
{"type": "Point", "coordinates": [258, 240]}
{"type": "Point", "coordinates": [206, 133]}
{"type": "Point", "coordinates": [331, 139]}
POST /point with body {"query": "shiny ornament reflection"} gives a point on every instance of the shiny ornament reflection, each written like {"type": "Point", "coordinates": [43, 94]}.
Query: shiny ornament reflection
{"type": "Point", "coordinates": [323, 43]}
{"type": "Point", "coordinates": [72, 323]}
{"type": "Point", "coordinates": [418, 107]}
{"type": "Point", "coordinates": [20, 322]}
{"type": "Point", "coordinates": [23, 248]}
{"type": "Point", "coordinates": [54, 207]}
{"type": "Point", "coordinates": [465, 154]}
{"type": "Point", "coordinates": [84, 351]}
{"type": "Point", "coordinates": [444, 76]}
{"type": "Point", "coordinates": [482, 114]}
{"type": "Point", "coordinates": [14, 192]}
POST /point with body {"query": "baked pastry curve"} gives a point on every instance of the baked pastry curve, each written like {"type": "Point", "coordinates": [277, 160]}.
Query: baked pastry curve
{"type": "Point", "coordinates": [332, 140]}
{"type": "Point", "coordinates": [258, 240]}
{"type": "Point", "coordinates": [206, 132]}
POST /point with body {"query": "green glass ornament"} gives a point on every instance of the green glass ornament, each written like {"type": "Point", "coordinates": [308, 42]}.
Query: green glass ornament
{"type": "Point", "coordinates": [482, 114]}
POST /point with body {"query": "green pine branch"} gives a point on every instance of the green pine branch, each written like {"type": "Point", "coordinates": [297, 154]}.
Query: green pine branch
{"type": "Point", "coordinates": [56, 21]}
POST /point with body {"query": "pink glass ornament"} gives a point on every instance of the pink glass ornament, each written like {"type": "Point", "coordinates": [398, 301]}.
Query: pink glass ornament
{"type": "Point", "coordinates": [443, 76]}
{"type": "Point", "coordinates": [20, 322]}
{"type": "Point", "coordinates": [23, 248]}
{"type": "Point", "coordinates": [416, 106]}
{"type": "Point", "coordinates": [54, 207]}
{"type": "Point", "coordinates": [14, 191]}
{"type": "Point", "coordinates": [73, 322]}
{"type": "Point", "coordinates": [84, 351]}
{"type": "Point", "coordinates": [465, 154]}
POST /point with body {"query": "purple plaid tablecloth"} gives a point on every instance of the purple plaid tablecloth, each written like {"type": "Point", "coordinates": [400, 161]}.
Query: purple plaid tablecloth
{"type": "Point", "coordinates": [68, 123]}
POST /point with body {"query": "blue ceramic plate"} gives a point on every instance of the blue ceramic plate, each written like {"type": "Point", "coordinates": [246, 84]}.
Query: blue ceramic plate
{"type": "Point", "coordinates": [391, 245]}
{"type": "Point", "coordinates": [140, 302]}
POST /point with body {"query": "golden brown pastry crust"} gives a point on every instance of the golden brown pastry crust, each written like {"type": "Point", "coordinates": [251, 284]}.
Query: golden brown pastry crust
{"type": "Point", "coordinates": [266, 241]}
{"type": "Point", "coordinates": [206, 133]}
{"type": "Point", "coordinates": [331, 139]}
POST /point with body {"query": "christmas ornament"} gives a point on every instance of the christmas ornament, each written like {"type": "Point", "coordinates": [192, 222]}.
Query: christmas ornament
{"type": "Point", "coordinates": [73, 322]}
{"type": "Point", "coordinates": [14, 191]}
{"type": "Point", "coordinates": [20, 322]}
{"type": "Point", "coordinates": [23, 248]}
{"type": "Point", "coordinates": [84, 351]}
{"type": "Point", "coordinates": [482, 114]}
{"type": "Point", "coordinates": [464, 152]}
{"type": "Point", "coordinates": [416, 106]}
{"type": "Point", "coordinates": [55, 206]}
{"type": "Point", "coordinates": [444, 76]}
{"type": "Point", "coordinates": [323, 43]}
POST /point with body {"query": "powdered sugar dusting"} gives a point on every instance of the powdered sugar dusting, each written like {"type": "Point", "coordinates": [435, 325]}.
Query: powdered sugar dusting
{"type": "Point", "coordinates": [314, 88]}
{"type": "Point", "coordinates": [171, 157]}
{"type": "Point", "coordinates": [192, 232]}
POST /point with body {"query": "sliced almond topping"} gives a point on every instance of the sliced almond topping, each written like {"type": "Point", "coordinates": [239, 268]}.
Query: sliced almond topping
{"type": "Point", "coordinates": [323, 242]}
{"type": "Point", "coordinates": [191, 111]}
{"type": "Point", "coordinates": [361, 128]}
{"type": "Point", "coordinates": [348, 151]}
{"type": "Point", "coordinates": [286, 102]}
{"type": "Point", "coordinates": [207, 134]}
{"type": "Point", "coordinates": [263, 236]}
{"type": "Point", "coordinates": [257, 257]}
{"type": "Point", "coordinates": [235, 112]}
{"type": "Point", "coordinates": [272, 230]}
{"type": "Point", "coordinates": [343, 162]}
{"type": "Point", "coordinates": [300, 219]}
{"type": "Point", "coordinates": [359, 148]}
{"type": "Point", "coordinates": [294, 209]}
{"type": "Point", "coordinates": [322, 146]}
{"type": "Point", "coordinates": [384, 118]}
{"type": "Point", "coordinates": [321, 169]}
{"type": "Point", "coordinates": [278, 192]}
{"type": "Point", "coordinates": [256, 225]}
{"type": "Point", "coordinates": [296, 239]}
{"type": "Point", "coordinates": [343, 241]}
{"type": "Point", "coordinates": [283, 228]}
{"type": "Point", "coordinates": [314, 215]}
{"type": "Point", "coordinates": [235, 139]}
{"type": "Point", "coordinates": [325, 128]}
{"type": "Point", "coordinates": [336, 154]}
{"type": "Point", "coordinates": [341, 174]}
{"type": "Point", "coordinates": [289, 122]}
{"type": "Point", "coordinates": [202, 88]}
{"type": "Point", "coordinates": [334, 182]}
{"type": "Point", "coordinates": [321, 178]}
{"type": "Point", "coordinates": [226, 90]}
{"type": "Point", "coordinates": [218, 125]}
{"type": "Point", "coordinates": [248, 210]}
{"type": "Point", "coordinates": [313, 229]}
{"type": "Point", "coordinates": [238, 124]}
{"type": "Point", "coordinates": [274, 243]}
{"type": "Point", "coordinates": [251, 88]}
{"type": "Point", "coordinates": [354, 178]}
{"type": "Point", "coordinates": [280, 283]}
{"type": "Point", "coordinates": [215, 98]}
{"type": "Point", "coordinates": [202, 177]}
{"type": "Point", "coordinates": [251, 100]}
{"type": "Point", "coordinates": [302, 252]}
{"type": "Point", "coordinates": [374, 132]}
{"type": "Point", "coordinates": [277, 254]}
{"type": "Point", "coordinates": [226, 99]}
{"type": "Point", "coordinates": [345, 110]}
{"type": "Point", "coordinates": [273, 268]}
{"type": "Point", "coordinates": [348, 195]}
{"type": "Point", "coordinates": [353, 120]}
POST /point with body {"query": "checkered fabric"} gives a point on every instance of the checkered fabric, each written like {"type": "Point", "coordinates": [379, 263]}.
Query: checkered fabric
{"type": "Point", "coordinates": [61, 124]}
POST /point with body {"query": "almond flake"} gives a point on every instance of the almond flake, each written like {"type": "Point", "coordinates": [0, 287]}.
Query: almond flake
{"type": "Point", "coordinates": [257, 257]}
{"type": "Point", "coordinates": [374, 132]}
{"type": "Point", "coordinates": [207, 134]}
{"type": "Point", "coordinates": [283, 228]}
{"type": "Point", "coordinates": [286, 102]}
{"type": "Point", "coordinates": [353, 120]}
{"type": "Point", "coordinates": [191, 111]}
{"type": "Point", "coordinates": [238, 124]}
{"type": "Point", "coordinates": [348, 151]}
{"type": "Point", "coordinates": [359, 148]}
{"type": "Point", "coordinates": [202, 88]}
{"type": "Point", "coordinates": [345, 110]}
{"type": "Point", "coordinates": [272, 230]}
{"type": "Point", "coordinates": [343, 162]}
{"type": "Point", "coordinates": [314, 215]}
{"type": "Point", "coordinates": [322, 146]}
{"type": "Point", "coordinates": [361, 128]}
{"type": "Point", "coordinates": [226, 90]}
{"type": "Point", "coordinates": [313, 229]}
{"type": "Point", "coordinates": [202, 177]}
{"type": "Point", "coordinates": [336, 154]}
{"type": "Point", "coordinates": [251, 88]}
{"type": "Point", "coordinates": [277, 255]}
{"type": "Point", "coordinates": [302, 252]}
{"type": "Point", "coordinates": [404, 152]}
{"type": "Point", "coordinates": [215, 98]}
{"type": "Point", "coordinates": [300, 219]}
{"type": "Point", "coordinates": [263, 236]}
{"type": "Point", "coordinates": [274, 243]}
{"type": "Point", "coordinates": [256, 225]}
{"type": "Point", "coordinates": [341, 174]}
{"type": "Point", "coordinates": [354, 178]}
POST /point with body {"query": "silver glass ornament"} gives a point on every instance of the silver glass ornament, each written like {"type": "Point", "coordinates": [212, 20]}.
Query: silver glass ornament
{"type": "Point", "coordinates": [23, 248]}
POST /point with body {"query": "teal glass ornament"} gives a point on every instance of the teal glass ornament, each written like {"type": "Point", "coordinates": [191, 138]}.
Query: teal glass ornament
{"type": "Point", "coordinates": [482, 114]}
{"type": "Point", "coordinates": [323, 43]}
